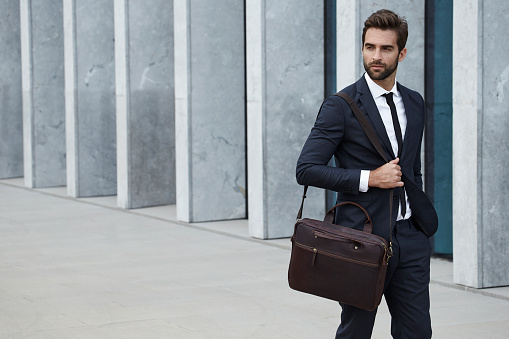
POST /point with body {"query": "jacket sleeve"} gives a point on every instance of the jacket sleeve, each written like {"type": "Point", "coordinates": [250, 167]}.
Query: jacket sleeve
{"type": "Point", "coordinates": [325, 137]}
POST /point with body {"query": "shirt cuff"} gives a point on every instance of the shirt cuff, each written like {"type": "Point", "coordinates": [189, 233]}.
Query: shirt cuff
{"type": "Point", "coordinates": [363, 184]}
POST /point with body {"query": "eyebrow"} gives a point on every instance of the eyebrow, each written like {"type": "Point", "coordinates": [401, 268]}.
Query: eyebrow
{"type": "Point", "coordinates": [383, 46]}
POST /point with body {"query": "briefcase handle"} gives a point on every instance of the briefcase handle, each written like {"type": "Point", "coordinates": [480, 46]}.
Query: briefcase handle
{"type": "Point", "coordinates": [329, 217]}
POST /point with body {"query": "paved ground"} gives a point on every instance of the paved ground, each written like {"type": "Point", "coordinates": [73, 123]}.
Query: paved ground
{"type": "Point", "coordinates": [85, 269]}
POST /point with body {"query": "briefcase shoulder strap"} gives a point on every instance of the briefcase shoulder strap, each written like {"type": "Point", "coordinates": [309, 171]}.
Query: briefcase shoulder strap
{"type": "Point", "coordinates": [299, 214]}
{"type": "Point", "coordinates": [368, 130]}
{"type": "Point", "coordinates": [364, 124]}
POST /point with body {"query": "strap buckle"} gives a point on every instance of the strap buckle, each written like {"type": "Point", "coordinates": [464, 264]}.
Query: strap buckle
{"type": "Point", "coordinates": [389, 252]}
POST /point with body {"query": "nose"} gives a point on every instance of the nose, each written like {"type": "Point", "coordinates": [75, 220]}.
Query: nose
{"type": "Point", "coordinates": [377, 55]}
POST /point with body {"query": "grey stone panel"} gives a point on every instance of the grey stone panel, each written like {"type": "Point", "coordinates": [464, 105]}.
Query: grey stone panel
{"type": "Point", "coordinates": [295, 80]}
{"type": "Point", "coordinates": [285, 90]}
{"type": "Point", "coordinates": [467, 105]}
{"type": "Point", "coordinates": [90, 74]}
{"type": "Point", "coordinates": [43, 93]}
{"type": "Point", "coordinates": [11, 111]}
{"type": "Point", "coordinates": [146, 134]}
{"type": "Point", "coordinates": [213, 176]}
{"type": "Point", "coordinates": [480, 144]}
{"type": "Point", "coordinates": [494, 159]}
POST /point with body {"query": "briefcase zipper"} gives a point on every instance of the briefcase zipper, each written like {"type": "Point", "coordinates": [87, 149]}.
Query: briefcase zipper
{"type": "Point", "coordinates": [359, 234]}
{"type": "Point", "coordinates": [334, 237]}
{"type": "Point", "coordinates": [315, 251]}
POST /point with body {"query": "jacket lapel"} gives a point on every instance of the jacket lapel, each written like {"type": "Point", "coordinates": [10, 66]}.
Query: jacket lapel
{"type": "Point", "coordinates": [369, 108]}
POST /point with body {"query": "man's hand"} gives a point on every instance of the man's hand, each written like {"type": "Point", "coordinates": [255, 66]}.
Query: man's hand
{"type": "Point", "coordinates": [386, 176]}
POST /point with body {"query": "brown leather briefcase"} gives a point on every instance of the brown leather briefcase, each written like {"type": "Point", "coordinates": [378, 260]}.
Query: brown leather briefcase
{"type": "Point", "coordinates": [338, 263]}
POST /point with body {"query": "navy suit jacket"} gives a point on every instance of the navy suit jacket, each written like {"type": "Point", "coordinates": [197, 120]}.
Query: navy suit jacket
{"type": "Point", "coordinates": [337, 132]}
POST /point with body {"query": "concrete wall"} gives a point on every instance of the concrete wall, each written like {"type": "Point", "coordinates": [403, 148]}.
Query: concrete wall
{"type": "Point", "coordinates": [210, 110]}
{"type": "Point", "coordinates": [90, 98]}
{"type": "Point", "coordinates": [145, 103]}
{"type": "Point", "coordinates": [42, 57]}
{"type": "Point", "coordinates": [480, 143]}
{"type": "Point", "coordinates": [348, 43]}
{"type": "Point", "coordinates": [285, 87]}
{"type": "Point", "coordinates": [260, 80]}
{"type": "Point", "coordinates": [11, 111]}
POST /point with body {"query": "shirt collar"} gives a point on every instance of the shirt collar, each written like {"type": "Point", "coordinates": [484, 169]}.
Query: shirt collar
{"type": "Point", "coordinates": [376, 90]}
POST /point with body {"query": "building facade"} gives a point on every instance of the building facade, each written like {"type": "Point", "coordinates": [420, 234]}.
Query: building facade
{"type": "Point", "coordinates": [206, 105]}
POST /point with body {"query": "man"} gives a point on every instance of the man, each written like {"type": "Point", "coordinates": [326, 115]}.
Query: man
{"type": "Point", "coordinates": [362, 176]}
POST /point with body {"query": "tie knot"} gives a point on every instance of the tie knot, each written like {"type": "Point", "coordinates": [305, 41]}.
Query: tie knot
{"type": "Point", "coordinates": [388, 97]}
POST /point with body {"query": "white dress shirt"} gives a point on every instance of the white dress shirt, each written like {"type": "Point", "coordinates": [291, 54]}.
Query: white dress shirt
{"type": "Point", "coordinates": [385, 113]}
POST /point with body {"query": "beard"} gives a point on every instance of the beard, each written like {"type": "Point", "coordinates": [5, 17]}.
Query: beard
{"type": "Point", "coordinates": [387, 71]}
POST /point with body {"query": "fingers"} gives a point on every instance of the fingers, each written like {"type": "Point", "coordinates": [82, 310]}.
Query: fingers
{"type": "Point", "coordinates": [397, 167]}
{"type": "Point", "coordinates": [387, 176]}
{"type": "Point", "coordinates": [396, 174]}
{"type": "Point", "coordinates": [399, 184]}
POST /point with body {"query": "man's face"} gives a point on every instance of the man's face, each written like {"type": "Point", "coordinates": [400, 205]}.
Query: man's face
{"type": "Point", "coordinates": [380, 53]}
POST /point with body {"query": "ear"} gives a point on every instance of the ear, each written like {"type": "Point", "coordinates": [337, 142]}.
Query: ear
{"type": "Point", "coordinates": [402, 54]}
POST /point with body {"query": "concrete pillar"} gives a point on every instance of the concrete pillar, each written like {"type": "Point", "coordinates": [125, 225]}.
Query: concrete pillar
{"type": "Point", "coordinates": [210, 109]}
{"type": "Point", "coordinates": [11, 111]}
{"type": "Point", "coordinates": [349, 26]}
{"type": "Point", "coordinates": [42, 59]}
{"type": "Point", "coordinates": [90, 98]}
{"type": "Point", "coordinates": [285, 87]}
{"type": "Point", "coordinates": [350, 22]}
{"type": "Point", "coordinates": [480, 143]}
{"type": "Point", "coordinates": [145, 103]}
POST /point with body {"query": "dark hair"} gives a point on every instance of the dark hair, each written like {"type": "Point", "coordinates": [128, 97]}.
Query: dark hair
{"type": "Point", "coordinates": [385, 19]}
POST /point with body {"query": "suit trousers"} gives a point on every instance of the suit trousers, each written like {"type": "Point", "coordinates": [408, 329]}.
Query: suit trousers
{"type": "Point", "coordinates": [406, 290]}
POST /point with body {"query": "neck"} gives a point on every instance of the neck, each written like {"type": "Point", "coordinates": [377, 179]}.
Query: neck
{"type": "Point", "coordinates": [387, 83]}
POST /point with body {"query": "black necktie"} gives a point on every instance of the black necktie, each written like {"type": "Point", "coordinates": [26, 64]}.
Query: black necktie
{"type": "Point", "coordinates": [399, 137]}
